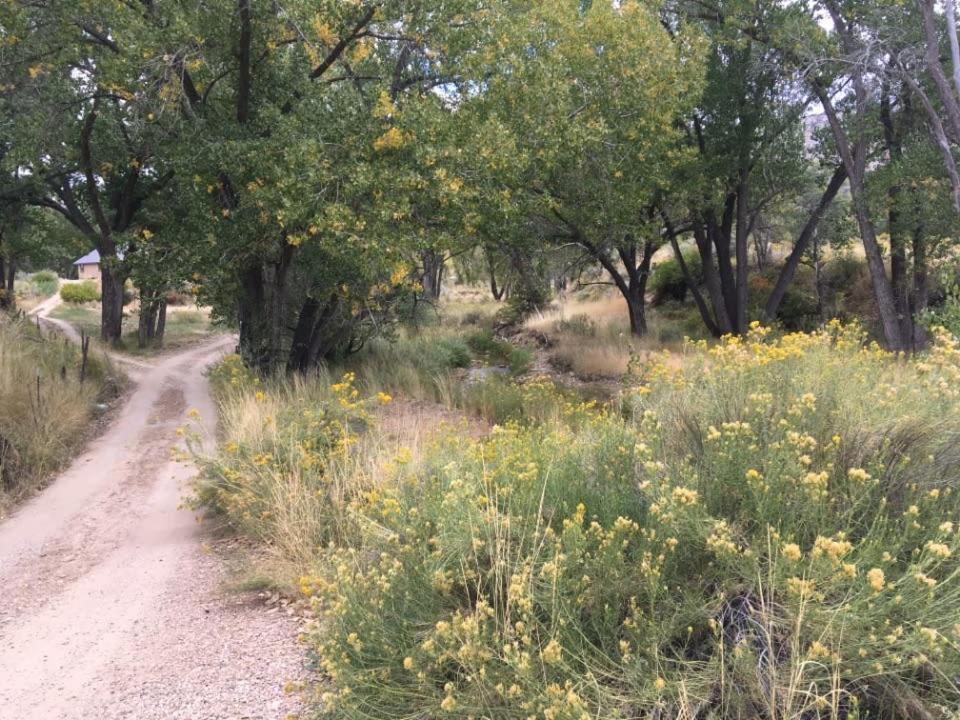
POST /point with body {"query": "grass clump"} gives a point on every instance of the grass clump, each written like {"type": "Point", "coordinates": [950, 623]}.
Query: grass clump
{"type": "Point", "coordinates": [763, 528]}
{"type": "Point", "coordinates": [46, 413]}
{"type": "Point", "coordinates": [44, 283]}
{"type": "Point", "coordinates": [82, 292]}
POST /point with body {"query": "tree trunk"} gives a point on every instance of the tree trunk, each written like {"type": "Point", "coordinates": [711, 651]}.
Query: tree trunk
{"type": "Point", "coordinates": [854, 159]}
{"type": "Point", "coordinates": [498, 292]}
{"type": "Point", "coordinates": [899, 280]}
{"type": "Point", "coordinates": [809, 230]}
{"type": "Point", "coordinates": [145, 325]}
{"type": "Point", "coordinates": [634, 290]}
{"type": "Point", "coordinates": [7, 272]}
{"type": "Point", "coordinates": [688, 277]}
{"type": "Point", "coordinates": [932, 56]}
{"type": "Point", "coordinates": [251, 314]}
{"type": "Point", "coordinates": [313, 334]}
{"type": "Point", "coordinates": [262, 306]}
{"type": "Point", "coordinates": [111, 301]}
{"type": "Point", "coordinates": [636, 308]}
{"type": "Point", "coordinates": [743, 265]}
{"type": "Point", "coordinates": [921, 286]}
{"type": "Point", "coordinates": [153, 318]}
{"type": "Point", "coordinates": [432, 276]}
{"type": "Point", "coordinates": [160, 328]}
{"type": "Point", "coordinates": [302, 335]}
{"type": "Point", "coordinates": [712, 280]}
{"type": "Point", "coordinates": [720, 236]}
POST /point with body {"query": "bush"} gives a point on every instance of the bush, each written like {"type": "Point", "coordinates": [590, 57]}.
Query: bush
{"type": "Point", "coordinates": [770, 533]}
{"type": "Point", "coordinates": [415, 364]}
{"type": "Point", "coordinates": [520, 360]}
{"type": "Point", "coordinates": [667, 281]}
{"type": "Point", "coordinates": [83, 292]}
{"type": "Point", "coordinates": [495, 351]}
{"type": "Point", "coordinates": [44, 282]}
{"type": "Point", "coordinates": [452, 353]}
{"type": "Point", "coordinates": [276, 479]}
{"type": "Point", "coordinates": [947, 315]}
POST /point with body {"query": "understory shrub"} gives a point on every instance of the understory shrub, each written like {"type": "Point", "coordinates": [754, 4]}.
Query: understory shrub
{"type": "Point", "coordinates": [284, 474]}
{"type": "Point", "coordinates": [764, 528]}
{"type": "Point", "coordinates": [83, 292]}
{"type": "Point", "coordinates": [667, 281]}
{"type": "Point", "coordinates": [44, 282]}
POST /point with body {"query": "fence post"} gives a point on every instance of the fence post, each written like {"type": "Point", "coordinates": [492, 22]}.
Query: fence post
{"type": "Point", "coordinates": [84, 350]}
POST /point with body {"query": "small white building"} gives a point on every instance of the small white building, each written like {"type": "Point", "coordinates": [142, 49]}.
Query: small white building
{"type": "Point", "coordinates": [88, 267]}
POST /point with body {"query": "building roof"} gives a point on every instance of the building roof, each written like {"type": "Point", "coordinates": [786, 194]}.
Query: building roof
{"type": "Point", "coordinates": [91, 258]}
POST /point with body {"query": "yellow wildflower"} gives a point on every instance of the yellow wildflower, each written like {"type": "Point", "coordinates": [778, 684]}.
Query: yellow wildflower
{"type": "Point", "coordinates": [876, 579]}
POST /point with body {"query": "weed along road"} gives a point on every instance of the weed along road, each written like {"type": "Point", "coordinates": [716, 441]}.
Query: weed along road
{"type": "Point", "coordinates": [112, 603]}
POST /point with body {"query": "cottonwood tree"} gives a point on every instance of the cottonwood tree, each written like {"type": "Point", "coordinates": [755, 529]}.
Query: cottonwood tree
{"type": "Point", "coordinates": [81, 81]}
{"type": "Point", "coordinates": [869, 96]}
{"type": "Point", "coordinates": [576, 128]}
{"type": "Point", "coordinates": [747, 138]}
{"type": "Point", "coordinates": [302, 172]}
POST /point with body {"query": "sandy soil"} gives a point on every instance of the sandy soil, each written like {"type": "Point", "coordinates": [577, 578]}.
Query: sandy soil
{"type": "Point", "coordinates": [112, 605]}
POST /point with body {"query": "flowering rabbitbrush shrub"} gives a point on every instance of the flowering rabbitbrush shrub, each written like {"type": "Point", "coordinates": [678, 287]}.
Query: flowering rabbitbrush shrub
{"type": "Point", "coordinates": [284, 473]}
{"type": "Point", "coordinates": [768, 530]}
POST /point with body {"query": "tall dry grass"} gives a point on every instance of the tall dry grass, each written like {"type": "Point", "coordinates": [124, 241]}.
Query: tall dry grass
{"type": "Point", "coordinates": [46, 413]}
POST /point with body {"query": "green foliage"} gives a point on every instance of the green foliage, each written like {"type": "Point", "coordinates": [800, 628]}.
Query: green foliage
{"type": "Point", "coordinates": [667, 281]}
{"type": "Point", "coordinates": [769, 525]}
{"type": "Point", "coordinates": [453, 352]}
{"type": "Point", "coordinates": [946, 315]}
{"type": "Point", "coordinates": [45, 282]}
{"type": "Point", "coordinates": [82, 292]}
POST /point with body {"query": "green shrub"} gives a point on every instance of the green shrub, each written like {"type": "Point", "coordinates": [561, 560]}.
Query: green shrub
{"type": "Point", "coordinates": [276, 477]}
{"type": "Point", "coordinates": [84, 292]}
{"type": "Point", "coordinates": [947, 315]}
{"type": "Point", "coordinates": [520, 360]}
{"type": "Point", "coordinates": [453, 353]}
{"type": "Point", "coordinates": [771, 533]}
{"type": "Point", "coordinates": [491, 349]}
{"type": "Point", "coordinates": [667, 281]}
{"type": "Point", "coordinates": [44, 282]}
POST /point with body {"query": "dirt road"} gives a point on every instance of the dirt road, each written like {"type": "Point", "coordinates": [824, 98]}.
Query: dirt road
{"type": "Point", "coordinates": [109, 605]}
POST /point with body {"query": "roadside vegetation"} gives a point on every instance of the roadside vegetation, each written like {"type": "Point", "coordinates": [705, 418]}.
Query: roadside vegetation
{"type": "Point", "coordinates": [46, 412]}
{"type": "Point", "coordinates": [683, 275]}
{"type": "Point", "coordinates": [766, 526]}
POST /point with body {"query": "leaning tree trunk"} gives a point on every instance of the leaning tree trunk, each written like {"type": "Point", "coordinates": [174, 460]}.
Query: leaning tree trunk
{"type": "Point", "coordinates": [854, 159]}
{"type": "Point", "coordinates": [808, 232]}
{"type": "Point", "coordinates": [111, 299]}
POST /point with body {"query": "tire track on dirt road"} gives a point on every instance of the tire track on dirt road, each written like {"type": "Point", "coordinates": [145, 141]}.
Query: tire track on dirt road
{"type": "Point", "coordinates": [112, 608]}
